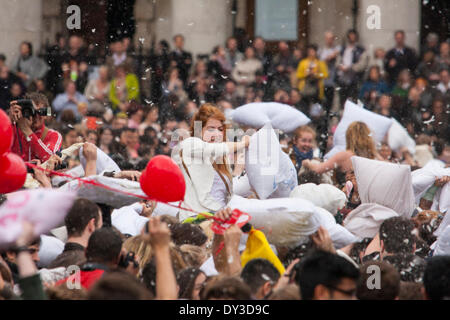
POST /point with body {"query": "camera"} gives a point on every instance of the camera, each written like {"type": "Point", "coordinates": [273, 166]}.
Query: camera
{"type": "Point", "coordinates": [64, 164]}
{"type": "Point", "coordinates": [29, 111]}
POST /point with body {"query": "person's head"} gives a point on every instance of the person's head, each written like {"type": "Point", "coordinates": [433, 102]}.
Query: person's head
{"type": "Point", "coordinates": [16, 90]}
{"type": "Point", "coordinates": [118, 285]}
{"type": "Point", "coordinates": [288, 292]}
{"type": "Point", "coordinates": [104, 246]}
{"type": "Point", "coordinates": [432, 40]}
{"type": "Point", "coordinates": [230, 86]}
{"type": "Point", "coordinates": [40, 101]}
{"type": "Point", "coordinates": [352, 36]}
{"type": "Point", "coordinates": [283, 46]}
{"type": "Point", "coordinates": [191, 281]}
{"type": "Point", "coordinates": [442, 150]}
{"type": "Point", "coordinates": [142, 250]}
{"type": "Point", "coordinates": [119, 122]}
{"type": "Point", "coordinates": [438, 106]}
{"type": "Point", "coordinates": [249, 53]}
{"type": "Point", "coordinates": [187, 233]}
{"type": "Point", "coordinates": [444, 76]}
{"type": "Point", "coordinates": [378, 281]}
{"type": "Point", "coordinates": [374, 73]}
{"type": "Point", "coordinates": [396, 236]}
{"type": "Point", "coordinates": [106, 136]}
{"type": "Point", "coordinates": [444, 49]}
{"type": "Point", "coordinates": [226, 288]}
{"type": "Point", "coordinates": [70, 87]}
{"type": "Point", "coordinates": [359, 140]}
{"type": "Point", "coordinates": [92, 137]}
{"type": "Point", "coordinates": [329, 38]}
{"type": "Point", "coordinates": [304, 137]}
{"type": "Point", "coordinates": [311, 51]}
{"type": "Point", "coordinates": [261, 276]}
{"type": "Point", "coordinates": [178, 41]}
{"type": "Point", "coordinates": [26, 49]}
{"type": "Point", "coordinates": [410, 291]}
{"type": "Point", "coordinates": [384, 102]}
{"type": "Point", "coordinates": [120, 71]}
{"type": "Point", "coordinates": [399, 37]}
{"type": "Point", "coordinates": [33, 250]}
{"type": "Point", "coordinates": [75, 42]}
{"type": "Point", "coordinates": [385, 151]}
{"type": "Point", "coordinates": [404, 77]}
{"type": "Point", "coordinates": [212, 123]}
{"type": "Point", "coordinates": [232, 44]}
{"type": "Point", "coordinates": [436, 279]}
{"type": "Point", "coordinates": [259, 44]}
{"type": "Point", "coordinates": [379, 53]}
{"type": "Point", "coordinates": [83, 219]}
{"type": "Point", "coordinates": [193, 255]}
{"type": "Point", "coordinates": [103, 73]}
{"type": "Point", "coordinates": [326, 276]}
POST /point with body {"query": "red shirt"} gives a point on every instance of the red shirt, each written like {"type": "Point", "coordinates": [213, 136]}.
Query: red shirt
{"type": "Point", "coordinates": [34, 147]}
{"type": "Point", "coordinates": [87, 278]}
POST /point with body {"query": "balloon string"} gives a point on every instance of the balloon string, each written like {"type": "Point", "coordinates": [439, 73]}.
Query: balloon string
{"type": "Point", "coordinates": [101, 185]}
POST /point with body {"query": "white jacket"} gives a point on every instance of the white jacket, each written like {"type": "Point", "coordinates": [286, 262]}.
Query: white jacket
{"type": "Point", "coordinates": [197, 158]}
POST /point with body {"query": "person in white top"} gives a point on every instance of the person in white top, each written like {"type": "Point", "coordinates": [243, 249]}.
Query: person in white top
{"type": "Point", "coordinates": [203, 159]}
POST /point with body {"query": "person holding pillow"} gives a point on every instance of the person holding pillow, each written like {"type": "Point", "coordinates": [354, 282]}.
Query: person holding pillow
{"type": "Point", "coordinates": [203, 159]}
{"type": "Point", "coordinates": [302, 148]}
{"type": "Point", "coordinates": [359, 143]}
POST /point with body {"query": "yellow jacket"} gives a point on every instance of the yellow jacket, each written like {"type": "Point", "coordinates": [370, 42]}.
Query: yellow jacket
{"type": "Point", "coordinates": [319, 68]}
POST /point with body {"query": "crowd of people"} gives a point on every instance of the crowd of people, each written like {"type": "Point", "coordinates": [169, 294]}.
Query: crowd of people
{"type": "Point", "coordinates": [129, 109]}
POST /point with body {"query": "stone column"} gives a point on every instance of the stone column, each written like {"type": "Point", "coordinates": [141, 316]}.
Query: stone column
{"type": "Point", "coordinates": [19, 21]}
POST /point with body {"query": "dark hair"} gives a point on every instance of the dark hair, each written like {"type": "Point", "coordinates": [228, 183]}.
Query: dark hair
{"type": "Point", "coordinates": [312, 46]}
{"type": "Point", "coordinates": [226, 287]}
{"type": "Point", "coordinates": [30, 46]}
{"type": "Point", "coordinates": [178, 35]}
{"type": "Point", "coordinates": [397, 235]}
{"type": "Point", "coordinates": [118, 285]}
{"type": "Point", "coordinates": [399, 31]}
{"type": "Point", "coordinates": [38, 98]}
{"type": "Point", "coordinates": [148, 276]}
{"type": "Point", "coordinates": [323, 268]}
{"type": "Point", "coordinates": [357, 248]}
{"type": "Point", "coordinates": [78, 217]}
{"type": "Point", "coordinates": [410, 291]}
{"type": "Point", "coordinates": [354, 32]}
{"type": "Point", "coordinates": [389, 282]}
{"type": "Point", "coordinates": [104, 246]}
{"type": "Point", "coordinates": [186, 281]}
{"type": "Point", "coordinates": [186, 233]}
{"type": "Point", "coordinates": [309, 176]}
{"type": "Point", "coordinates": [436, 279]}
{"type": "Point", "coordinates": [439, 146]}
{"type": "Point", "coordinates": [257, 272]}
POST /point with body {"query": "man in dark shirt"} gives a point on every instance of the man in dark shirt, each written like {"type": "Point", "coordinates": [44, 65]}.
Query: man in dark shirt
{"type": "Point", "coordinates": [182, 59]}
{"type": "Point", "coordinates": [399, 58]}
{"type": "Point", "coordinates": [82, 220]}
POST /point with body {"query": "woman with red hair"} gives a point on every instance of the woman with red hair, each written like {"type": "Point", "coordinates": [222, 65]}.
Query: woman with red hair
{"type": "Point", "coordinates": [203, 159]}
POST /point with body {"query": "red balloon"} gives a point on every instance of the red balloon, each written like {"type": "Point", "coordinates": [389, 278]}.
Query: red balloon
{"type": "Point", "coordinates": [163, 180]}
{"type": "Point", "coordinates": [13, 172]}
{"type": "Point", "coordinates": [6, 133]}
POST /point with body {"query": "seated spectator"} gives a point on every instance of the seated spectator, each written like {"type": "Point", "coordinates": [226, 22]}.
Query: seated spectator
{"type": "Point", "coordinates": [374, 83]}
{"type": "Point", "coordinates": [124, 88]}
{"type": "Point", "coordinates": [444, 83]}
{"type": "Point", "coordinates": [244, 71]}
{"type": "Point", "coordinates": [135, 115]}
{"type": "Point", "coordinates": [28, 67]}
{"type": "Point", "coordinates": [119, 57]}
{"type": "Point", "coordinates": [71, 99]}
{"type": "Point", "coordinates": [232, 53]}
{"type": "Point", "coordinates": [173, 84]}
{"type": "Point", "coordinates": [150, 120]}
{"type": "Point", "coordinates": [98, 89]}
{"type": "Point", "coordinates": [7, 79]}
{"type": "Point", "coordinates": [429, 67]}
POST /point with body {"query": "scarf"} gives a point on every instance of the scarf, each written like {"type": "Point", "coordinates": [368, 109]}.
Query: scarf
{"type": "Point", "coordinates": [300, 156]}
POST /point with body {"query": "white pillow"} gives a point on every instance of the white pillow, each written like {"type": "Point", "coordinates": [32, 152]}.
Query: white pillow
{"type": "Point", "coordinates": [268, 168]}
{"type": "Point", "coordinates": [105, 196]}
{"type": "Point", "coordinates": [366, 219]}
{"type": "Point", "coordinates": [104, 162]}
{"type": "Point", "coordinates": [324, 196]}
{"type": "Point", "coordinates": [44, 208]}
{"type": "Point", "coordinates": [127, 220]}
{"type": "Point", "coordinates": [281, 116]}
{"type": "Point", "coordinates": [398, 137]}
{"type": "Point", "coordinates": [241, 186]}
{"type": "Point", "coordinates": [284, 221]}
{"type": "Point", "coordinates": [443, 243]}
{"type": "Point", "coordinates": [379, 125]}
{"type": "Point", "coordinates": [385, 183]}
{"type": "Point", "coordinates": [340, 236]}
{"type": "Point", "coordinates": [424, 178]}
{"type": "Point", "coordinates": [50, 248]}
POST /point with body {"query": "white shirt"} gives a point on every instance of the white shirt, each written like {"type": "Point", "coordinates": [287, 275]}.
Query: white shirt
{"type": "Point", "coordinates": [347, 58]}
{"type": "Point", "coordinates": [219, 190]}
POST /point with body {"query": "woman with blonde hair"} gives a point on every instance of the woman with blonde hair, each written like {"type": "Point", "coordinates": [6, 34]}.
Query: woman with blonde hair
{"type": "Point", "coordinates": [203, 159]}
{"type": "Point", "coordinates": [359, 143]}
